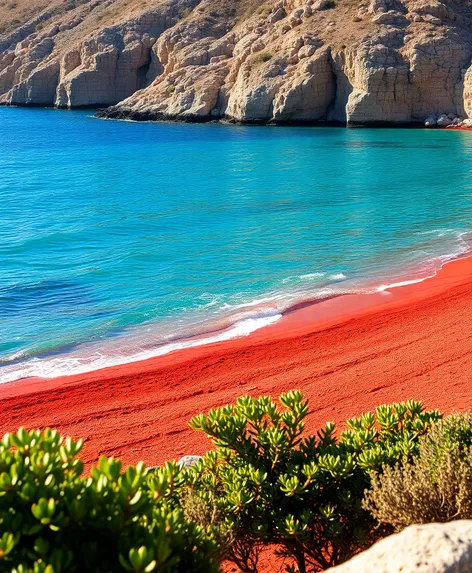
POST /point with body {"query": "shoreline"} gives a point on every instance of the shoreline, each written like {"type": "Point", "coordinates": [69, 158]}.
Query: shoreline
{"type": "Point", "coordinates": [348, 354]}
{"type": "Point", "coordinates": [267, 319]}
{"type": "Point", "coordinates": [101, 112]}
{"type": "Point", "coordinates": [310, 314]}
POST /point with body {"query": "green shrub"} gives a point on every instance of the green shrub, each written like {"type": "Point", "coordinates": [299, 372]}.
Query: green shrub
{"type": "Point", "coordinates": [436, 486]}
{"type": "Point", "coordinates": [452, 433]}
{"type": "Point", "coordinates": [266, 484]}
{"type": "Point", "coordinates": [302, 495]}
{"type": "Point", "coordinates": [53, 519]}
{"type": "Point", "coordinates": [263, 57]}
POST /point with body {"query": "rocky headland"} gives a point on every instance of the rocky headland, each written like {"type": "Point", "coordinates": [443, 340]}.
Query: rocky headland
{"type": "Point", "coordinates": [280, 61]}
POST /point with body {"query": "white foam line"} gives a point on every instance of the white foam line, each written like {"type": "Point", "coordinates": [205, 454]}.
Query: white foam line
{"type": "Point", "coordinates": [68, 366]}
{"type": "Point", "coordinates": [383, 288]}
{"type": "Point", "coordinates": [447, 259]}
{"type": "Point", "coordinates": [310, 276]}
{"type": "Point", "coordinates": [52, 368]}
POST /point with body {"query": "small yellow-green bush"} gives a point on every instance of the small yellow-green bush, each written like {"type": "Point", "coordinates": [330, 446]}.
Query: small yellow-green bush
{"type": "Point", "coordinates": [263, 57]}
{"type": "Point", "coordinates": [435, 486]}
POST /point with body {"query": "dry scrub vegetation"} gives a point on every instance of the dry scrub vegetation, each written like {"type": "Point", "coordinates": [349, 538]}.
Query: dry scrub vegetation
{"type": "Point", "coordinates": [434, 487]}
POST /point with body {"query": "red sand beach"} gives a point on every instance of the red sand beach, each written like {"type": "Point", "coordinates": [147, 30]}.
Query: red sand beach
{"type": "Point", "coordinates": [347, 354]}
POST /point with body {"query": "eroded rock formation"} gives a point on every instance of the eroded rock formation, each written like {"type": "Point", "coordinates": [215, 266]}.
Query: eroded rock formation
{"type": "Point", "coordinates": [282, 61]}
{"type": "Point", "coordinates": [74, 59]}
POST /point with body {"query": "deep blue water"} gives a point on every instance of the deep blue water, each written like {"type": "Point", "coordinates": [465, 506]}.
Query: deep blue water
{"type": "Point", "coordinates": [118, 239]}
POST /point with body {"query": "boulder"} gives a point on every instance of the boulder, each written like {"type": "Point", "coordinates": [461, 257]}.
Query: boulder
{"type": "Point", "coordinates": [430, 121]}
{"type": "Point", "coordinates": [444, 120]}
{"type": "Point", "coordinates": [322, 5]}
{"type": "Point", "coordinates": [391, 18]}
{"type": "Point", "coordinates": [188, 461]}
{"type": "Point", "coordinates": [432, 548]}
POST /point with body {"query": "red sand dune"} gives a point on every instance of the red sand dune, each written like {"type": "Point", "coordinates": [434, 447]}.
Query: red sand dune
{"type": "Point", "coordinates": [348, 355]}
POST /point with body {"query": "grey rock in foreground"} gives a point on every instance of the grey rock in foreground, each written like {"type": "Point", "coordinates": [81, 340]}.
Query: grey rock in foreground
{"type": "Point", "coordinates": [188, 461]}
{"type": "Point", "coordinates": [432, 548]}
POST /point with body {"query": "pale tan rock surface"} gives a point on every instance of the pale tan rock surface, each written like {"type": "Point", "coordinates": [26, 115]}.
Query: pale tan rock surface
{"type": "Point", "coordinates": [89, 55]}
{"type": "Point", "coordinates": [282, 61]}
{"type": "Point", "coordinates": [432, 548]}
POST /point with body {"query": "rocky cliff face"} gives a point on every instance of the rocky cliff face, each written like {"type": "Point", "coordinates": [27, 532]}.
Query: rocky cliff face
{"type": "Point", "coordinates": [282, 61]}
{"type": "Point", "coordinates": [86, 55]}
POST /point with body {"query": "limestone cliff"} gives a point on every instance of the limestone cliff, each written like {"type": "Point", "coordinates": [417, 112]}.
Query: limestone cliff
{"type": "Point", "coordinates": [282, 61]}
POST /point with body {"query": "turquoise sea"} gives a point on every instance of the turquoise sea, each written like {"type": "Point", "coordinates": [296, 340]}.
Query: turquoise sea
{"type": "Point", "coordinates": [119, 240]}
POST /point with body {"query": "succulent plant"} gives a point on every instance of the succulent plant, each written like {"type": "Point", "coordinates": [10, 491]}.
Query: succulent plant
{"type": "Point", "coordinates": [53, 519]}
{"type": "Point", "coordinates": [272, 485]}
{"type": "Point", "coordinates": [266, 483]}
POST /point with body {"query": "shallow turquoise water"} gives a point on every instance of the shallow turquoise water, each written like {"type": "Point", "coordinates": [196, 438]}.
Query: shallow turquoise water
{"type": "Point", "coordinates": [118, 240]}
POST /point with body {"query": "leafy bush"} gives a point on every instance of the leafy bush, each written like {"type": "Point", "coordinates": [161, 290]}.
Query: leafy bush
{"type": "Point", "coordinates": [263, 57]}
{"type": "Point", "coordinates": [266, 484]}
{"type": "Point", "coordinates": [434, 487]}
{"type": "Point", "coordinates": [53, 520]}
{"type": "Point", "coordinates": [302, 495]}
